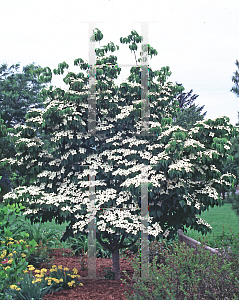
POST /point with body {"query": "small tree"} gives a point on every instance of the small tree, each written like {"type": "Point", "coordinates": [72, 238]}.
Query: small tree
{"type": "Point", "coordinates": [184, 166]}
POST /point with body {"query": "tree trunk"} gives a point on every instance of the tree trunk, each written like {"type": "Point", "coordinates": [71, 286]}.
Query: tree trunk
{"type": "Point", "coordinates": [116, 264]}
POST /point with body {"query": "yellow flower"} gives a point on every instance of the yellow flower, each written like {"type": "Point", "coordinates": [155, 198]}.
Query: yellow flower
{"type": "Point", "coordinates": [7, 268]}
{"type": "Point", "coordinates": [23, 255]}
{"type": "Point", "coordinates": [43, 270]}
{"type": "Point", "coordinates": [54, 266]}
{"type": "Point", "coordinates": [37, 271]}
{"type": "Point", "coordinates": [75, 271]}
{"type": "Point", "coordinates": [69, 284]}
{"type": "Point", "coordinates": [30, 266]}
{"type": "Point", "coordinates": [31, 269]}
{"type": "Point", "coordinates": [53, 270]}
{"type": "Point", "coordinates": [10, 260]}
{"type": "Point", "coordinates": [56, 280]}
{"type": "Point", "coordinates": [39, 275]}
{"type": "Point", "coordinates": [11, 239]}
{"type": "Point", "coordinates": [14, 251]}
{"type": "Point", "coordinates": [10, 254]}
{"type": "Point", "coordinates": [66, 269]}
{"type": "Point", "coordinates": [25, 271]}
{"type": "Point", "coordinates": [81, 284]}
{"type": "Point", "coordinates": [61, 280]}
{"type": "Point", "coordinates": [60, 267]}
{"type": "Point", "coordinates": [14, 287]}
{"type": "Point", "coordinates": [49, 282]}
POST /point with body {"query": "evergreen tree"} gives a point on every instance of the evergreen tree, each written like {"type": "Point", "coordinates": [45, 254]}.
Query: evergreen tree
{"type": "Point", "coordinates": [235, 80]}
{"type": "Point", "coordinates": [184, 165]}
{"type": "Point", "coordinates": [189, 112]}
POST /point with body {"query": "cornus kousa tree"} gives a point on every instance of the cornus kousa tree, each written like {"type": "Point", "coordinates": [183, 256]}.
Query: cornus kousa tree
{"type": "Point", "coordinates": [183, 167]}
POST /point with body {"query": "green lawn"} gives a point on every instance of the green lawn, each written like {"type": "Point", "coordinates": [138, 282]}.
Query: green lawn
{"type": "Point", "coordinates": [218, 217]}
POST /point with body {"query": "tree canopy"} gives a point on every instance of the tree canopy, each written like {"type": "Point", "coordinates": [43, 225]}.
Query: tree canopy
{"type": "Point", "coordinates": [183, 166]}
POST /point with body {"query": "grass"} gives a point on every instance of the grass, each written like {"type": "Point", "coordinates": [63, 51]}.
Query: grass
{"type": "Point", "coordinates": [217, 217]}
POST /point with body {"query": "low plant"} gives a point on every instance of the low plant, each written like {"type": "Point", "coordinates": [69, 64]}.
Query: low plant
{"type": "Point", "coordinates": [45, 240]}
{"type": "Point", "coordinates": [38, 233]}
{"type": "Point", "coordinates": [37, 285]}
{"type": "Point", "coordinates": [63, 278]}
{"type": "Point", "coordinates": [79, 245]}
{"type": "Point", "coordinates": [12, 252]}
{"type": "Point", "coordinates": [30, 287]}
{"type": "Point", "coordinates": [189, 274]}
{"type": "Point", "coordinates": [40, 255]}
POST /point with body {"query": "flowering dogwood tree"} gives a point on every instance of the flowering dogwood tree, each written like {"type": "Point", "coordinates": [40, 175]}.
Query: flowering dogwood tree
{"type": "Point", "coordinates": [183, 167]}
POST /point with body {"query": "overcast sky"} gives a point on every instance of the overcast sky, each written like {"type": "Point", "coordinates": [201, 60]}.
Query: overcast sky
{"type": "Point", "coordinates": [197, 39]}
